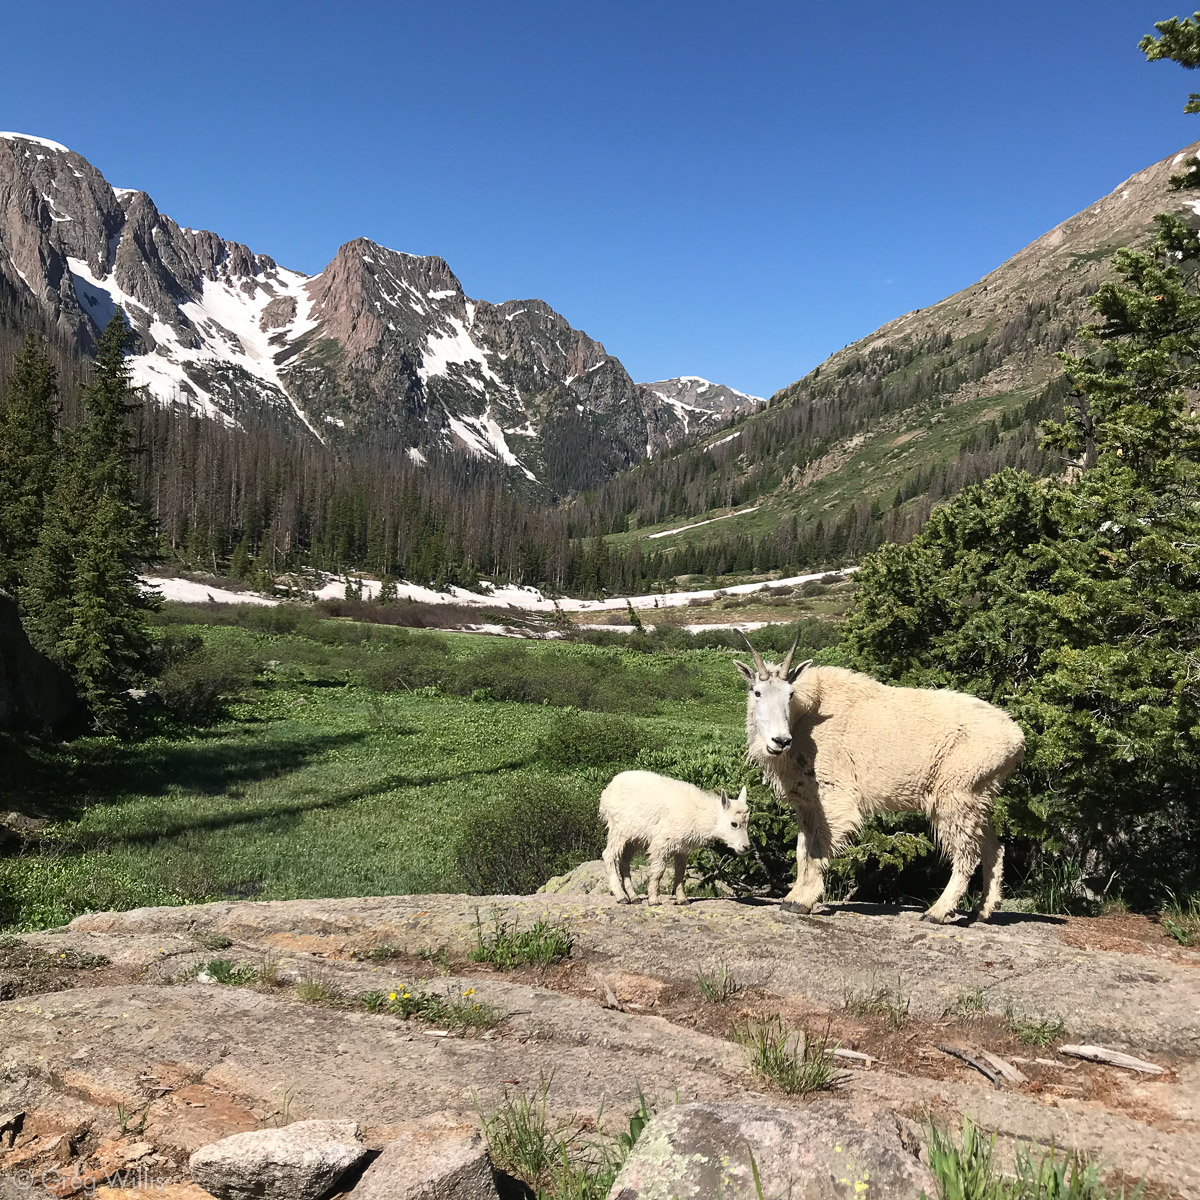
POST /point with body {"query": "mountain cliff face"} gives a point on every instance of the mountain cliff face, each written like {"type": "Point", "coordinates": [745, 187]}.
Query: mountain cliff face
{"type": "Point", "coordinates": [380, 347]}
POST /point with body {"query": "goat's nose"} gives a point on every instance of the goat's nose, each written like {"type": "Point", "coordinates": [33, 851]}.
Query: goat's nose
{"type": "Point", "coordinates": [782, 742]}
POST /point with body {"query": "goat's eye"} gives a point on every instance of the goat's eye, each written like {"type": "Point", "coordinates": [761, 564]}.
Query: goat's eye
{"type": "Point", "coordinates": [757, 693]}
{"type": "Point", "coordinates": [733, 824]}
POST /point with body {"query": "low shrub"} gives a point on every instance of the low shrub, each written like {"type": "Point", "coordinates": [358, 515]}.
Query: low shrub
{"type": "Point", "coordinates": [1034, 1031]}
{"type": "Point", "coordinates": [581, 739]}
{"type": "Point", "coordinates": [528, 830]}
{"type": "Point", "coordinates": [196, 682]}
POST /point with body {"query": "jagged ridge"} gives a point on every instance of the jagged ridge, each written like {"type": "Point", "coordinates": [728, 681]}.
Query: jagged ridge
{"type": "Point", "coordinates": [380, 346]}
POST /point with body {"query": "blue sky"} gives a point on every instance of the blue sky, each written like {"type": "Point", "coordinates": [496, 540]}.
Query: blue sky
{"type": "Point", "coordinates": [720, 189]}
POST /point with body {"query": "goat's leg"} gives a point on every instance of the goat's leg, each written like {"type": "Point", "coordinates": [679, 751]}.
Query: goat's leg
{"type": "Point", "coordinates": [626, 878]}
{"type": "Point", "coordinates": [812, 856]}
{"type": "Point", "coordinates": [992, 872]}
{"type": "Point", "coordinates": [680, 871]}
{"type": "Point", "coordinates": [658, 865]}
{"type": "Point", "coordinates": [963, 842]}
{"type": "Point", "coordinates": [614, 853]}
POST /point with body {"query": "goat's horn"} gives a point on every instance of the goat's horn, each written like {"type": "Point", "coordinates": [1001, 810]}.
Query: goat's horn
{"type": "Point", "coordinates": [758, 662]}
{"type": "Point", "coordinates": [787, 662]}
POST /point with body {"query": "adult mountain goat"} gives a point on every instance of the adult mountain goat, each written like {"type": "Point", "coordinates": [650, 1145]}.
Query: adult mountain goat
{"type": "Point", "coordinates": [840, 747]}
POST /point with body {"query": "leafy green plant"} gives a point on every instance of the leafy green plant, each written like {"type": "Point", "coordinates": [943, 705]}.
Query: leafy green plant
{"type": "Point", "coordinates": [552, 1159]}
{"type": "Point", "coordinates": [1055, 885]}
{"type": "Point", "coordinates": [1181, 919]}
{"type": "Point", "coordinates": [461, 1012]}
{"type": "Point", "coordinates": [965, 1168]}
{"type": "Point", "coordinates": [968, 1004]}
{"type": "Point", "coordinates": [212, 941]}
{"type": "Point", "coordinates": [1034, 1031]}
{"type": "Point", "coordinates": [383, 952]}
{"type": "Point", "coordinates": [199, 685]}
{"type": "Point", "coordinates": [132, 1121]}
{"type": "Point", "coordinates": [224, 970]}
{"type": "Point", "coordinates": [316, 987]}
{"type": "Point", "coordinates": [506, 945]}
{"type": "Point", "coordinates": [642, 1116]}
{"type": "Point", "coordinates": [793, 1060]}
{"type": "Point", "coordinates": [439, 958]}
{"type": "Point", "coordinates": [525, 832]}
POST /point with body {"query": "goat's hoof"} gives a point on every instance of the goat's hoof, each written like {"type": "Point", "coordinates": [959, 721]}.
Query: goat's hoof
{"type": "Point", "coordinates": [794, 906]}
{"type": "Point", "coordinates": [624, 900]}
{"type": "Point", "coordinates": [933, 918]}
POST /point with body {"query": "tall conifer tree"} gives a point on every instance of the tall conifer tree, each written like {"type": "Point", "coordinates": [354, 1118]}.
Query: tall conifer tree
{"type": "Point", "coordinates": [83, 603]}
{"type": "Point", "coordinates": [28, 408]}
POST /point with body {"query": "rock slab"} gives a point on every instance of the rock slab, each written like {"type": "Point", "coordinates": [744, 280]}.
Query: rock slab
{"type": "Point", "coordinates": [698, 1151]}
{"type": "Point", "coordinates": [301, 1161]}
{"type": "Point", "coordinates": [36, 695]}
{"type": "Point", "coordinates": [433, 1159]}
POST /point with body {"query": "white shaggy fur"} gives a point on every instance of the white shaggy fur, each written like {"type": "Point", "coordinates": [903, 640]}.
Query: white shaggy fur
{"type": "Point", "coordinates": [840, 747]}
{"type": "Point", "coordinates": [670, 819]}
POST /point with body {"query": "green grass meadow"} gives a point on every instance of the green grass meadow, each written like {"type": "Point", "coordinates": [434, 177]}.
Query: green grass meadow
{"type": "Point", "coordinates": [364, 761]}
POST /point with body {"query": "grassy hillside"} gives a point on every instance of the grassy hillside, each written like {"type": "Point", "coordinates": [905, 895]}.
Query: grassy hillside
{"type": "Point", "coordinates": [870, 439]}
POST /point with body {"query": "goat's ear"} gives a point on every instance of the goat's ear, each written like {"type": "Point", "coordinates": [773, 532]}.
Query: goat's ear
{"type": "Point", "coordinates": [795, 672]}
{"type": "Point", "coordinates": [748, 673]}
{"type": "Point", "coordinates": [724, 798]}
{"type": "Point", "coordinates": [743, 797]}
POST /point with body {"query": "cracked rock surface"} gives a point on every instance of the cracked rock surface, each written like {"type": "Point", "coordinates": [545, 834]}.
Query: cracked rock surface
{"type": "Point", "coordinates": [187, 1063]}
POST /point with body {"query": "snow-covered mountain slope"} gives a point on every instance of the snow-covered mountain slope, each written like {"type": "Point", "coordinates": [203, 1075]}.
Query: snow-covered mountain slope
{"type": "Point", "coordinates": [700, 404]}
{"type": "Point", "coordinates": [380, 347]}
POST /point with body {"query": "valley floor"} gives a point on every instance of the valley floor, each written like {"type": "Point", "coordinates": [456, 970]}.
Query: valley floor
{"type": "Point", "coordinates": [321, 784]}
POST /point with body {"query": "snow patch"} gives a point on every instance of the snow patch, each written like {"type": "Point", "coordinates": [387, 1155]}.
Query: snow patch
{"type": "Point", "coordinates": [737, 433]}
{"type": "Point", "coordinates": [58, 147]}
{"type": "Point", "coordinates": [456, 348]}
{"type": "Point", "coordinates": [696, 524]}
{"type": "Point", "coordinates": [184, 591]}
{"type": "Point", "coordinates": [528, 599]}
{"type": "Point", "coordinates": [483, 437]}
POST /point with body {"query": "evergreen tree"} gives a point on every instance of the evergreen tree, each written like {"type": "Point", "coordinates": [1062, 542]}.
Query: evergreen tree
{"type": "Point", "coordinates": [1076, 602]}
{"type": "Point", "coordinates": [28, 408]}
{"type": "Point", "coordinates": [83, 604]}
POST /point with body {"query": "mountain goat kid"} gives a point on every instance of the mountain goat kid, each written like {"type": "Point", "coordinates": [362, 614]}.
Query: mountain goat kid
{"type": "Point", "coordinates": [839, 747]}
{"type": "Point", "coordinates": [669, 818]}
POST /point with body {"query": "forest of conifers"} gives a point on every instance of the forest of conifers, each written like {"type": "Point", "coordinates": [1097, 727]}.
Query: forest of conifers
{"type": "Point", "coordinates": [257, 502]}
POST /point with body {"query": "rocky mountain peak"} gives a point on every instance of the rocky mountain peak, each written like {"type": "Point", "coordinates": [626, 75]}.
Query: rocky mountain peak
{"type": "Point", "coordinates": [380, 344]}
{"type": "Point", "coordinates": [699, 404]}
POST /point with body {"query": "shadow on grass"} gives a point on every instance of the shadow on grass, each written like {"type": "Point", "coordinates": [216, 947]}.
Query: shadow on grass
{"type": "Point", "coordinates": [59, 782]}
{"type": "Point", "coordinates": [278, 816]}
{"type": "Point", "coordinates": [48, 780]}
